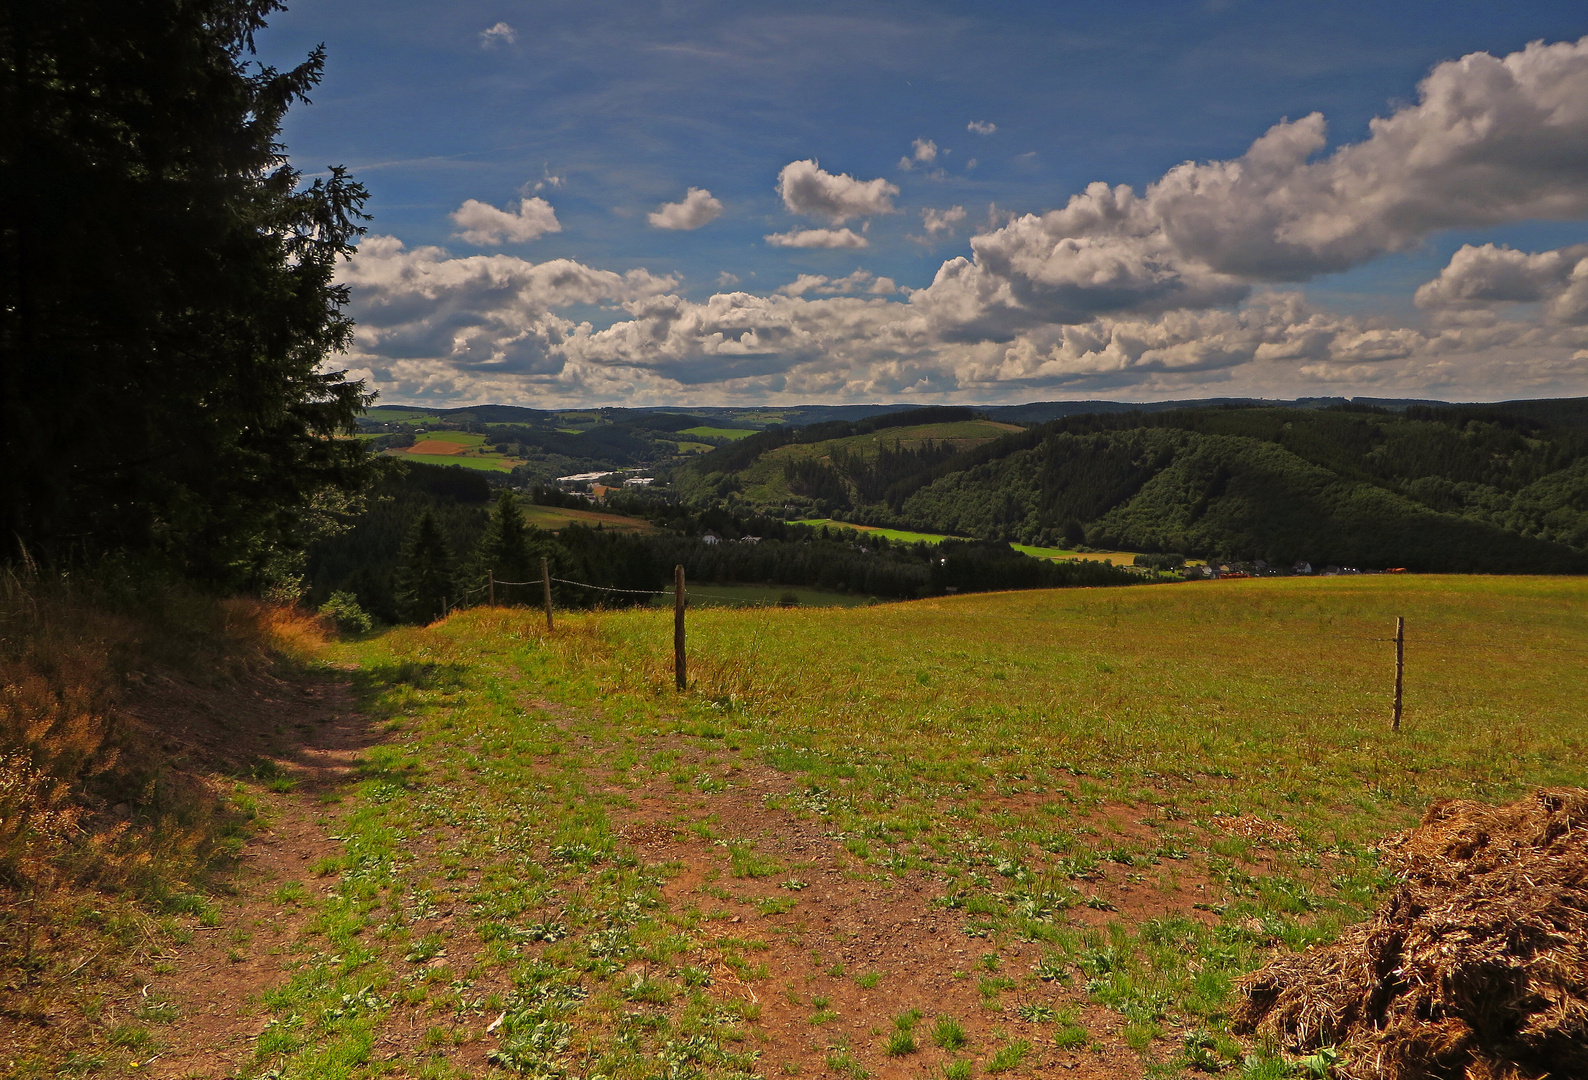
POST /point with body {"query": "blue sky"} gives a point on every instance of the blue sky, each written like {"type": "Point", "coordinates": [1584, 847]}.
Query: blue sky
{"type": "Point", "coordinates": [606, 112]}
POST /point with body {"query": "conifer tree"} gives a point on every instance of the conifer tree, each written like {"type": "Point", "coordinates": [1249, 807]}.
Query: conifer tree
{"type": "Point", "coordinates": [504, 549]}
{"type": "Point", "coordinates": [424, 576]}
{"type": "Point", "coordinates": [169, 307]}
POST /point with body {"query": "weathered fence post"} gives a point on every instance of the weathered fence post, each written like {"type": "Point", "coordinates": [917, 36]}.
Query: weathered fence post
{"type": "Point", "coordinates": [1400, 668]}
{"type": "Point", "coordinates": [545, 585]}
{"type": "Point", "coordinates": [490, 582]}
{"type": "Point", "coordinates": [678, 626]}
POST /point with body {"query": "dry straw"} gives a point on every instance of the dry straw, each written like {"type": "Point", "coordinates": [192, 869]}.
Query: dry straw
{"type": "Point", "coordinates": [1475, 968]}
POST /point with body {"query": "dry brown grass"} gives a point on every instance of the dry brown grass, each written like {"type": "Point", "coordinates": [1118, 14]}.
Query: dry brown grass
{"type": "Point", "coordinates": [1476, 966]}
{"type": "Point", "coordinates": [102, 840]}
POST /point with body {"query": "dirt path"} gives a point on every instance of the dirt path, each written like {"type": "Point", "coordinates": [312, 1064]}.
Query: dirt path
{"type": "Point", "coordinates": [216, 980]}
{"type": "Point", "coordinates": [845, 951]}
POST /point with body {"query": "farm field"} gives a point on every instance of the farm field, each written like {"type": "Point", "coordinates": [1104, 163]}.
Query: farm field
{"type": "Point", "coordinates": [1118, 557]}
{"type": "Point", "coordinates": [903, 536]}
{"type": "Point", "coordinates": [555, 518]}
{"type": "Point", "coordinates": [719, 432]}
{"type": "Point", "coordinates": [999, 833]}
{"type": "Point", "coordinates": [454, 448]}
{"type": "Point", "coordinates": [907, 537]}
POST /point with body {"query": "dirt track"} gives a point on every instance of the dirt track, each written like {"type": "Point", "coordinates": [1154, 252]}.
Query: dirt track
{"type": "Point", "coordinates": [843, 927]}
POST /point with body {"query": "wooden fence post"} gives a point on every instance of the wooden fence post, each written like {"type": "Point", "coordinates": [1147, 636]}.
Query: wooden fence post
{"type": "Point", "coordinates": [678, 626]}
{"type": "Point", "coordinates": [491, 585]}
{"type": "Point", "coordinates": [545, 585]}
{"type": "Point", "coordinates": [1400, 668]}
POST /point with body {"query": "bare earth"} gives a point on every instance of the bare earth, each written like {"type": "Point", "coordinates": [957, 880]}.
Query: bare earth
{"type": "Point", "coordinates": [889, 927]}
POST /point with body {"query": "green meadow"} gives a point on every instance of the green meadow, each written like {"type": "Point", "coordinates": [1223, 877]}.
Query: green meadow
{"type": "Point", "coordinates": [991, 833]}
{"type": "Point", "coordinates": [719, 432]}
{"type": "Point", "coordinates": [902, 536]}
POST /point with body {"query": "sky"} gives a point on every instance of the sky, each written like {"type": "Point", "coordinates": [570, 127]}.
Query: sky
{"type": "Point", "coordinates": [744, 203]}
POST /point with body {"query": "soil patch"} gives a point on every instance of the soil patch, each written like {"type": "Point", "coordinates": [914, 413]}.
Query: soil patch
{"type": "Point", "coordinates": [1476, 966]}
{"type": "Point", "coordinates": [308, 736]}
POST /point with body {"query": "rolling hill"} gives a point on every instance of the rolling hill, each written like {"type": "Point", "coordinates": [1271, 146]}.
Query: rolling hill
{"type": "Point", "coordinates": [1448, 488]}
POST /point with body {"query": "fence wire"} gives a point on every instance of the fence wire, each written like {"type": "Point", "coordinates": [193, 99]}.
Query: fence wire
{"type": "Point", "coordinates": [688, 592]}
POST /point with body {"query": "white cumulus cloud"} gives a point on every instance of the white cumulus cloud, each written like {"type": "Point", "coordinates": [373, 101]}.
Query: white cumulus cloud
{"type": "Point", "coordinates": [981, 127]}
{"type": "Point", "coordinates": [922, 152]}
{"type": "Point", "coordinates": [1483, 277]}
{"type": "Point", "coordinates": [809, 189]}
{"type": "Point", "coordinates": [1180, 289]}
{"type": "Point", "coordinates": [491, 327]}
{"type": "Point", "coordinates": [500, 34]}
{"type": "Point", "coordinates": [860, 281]}
{"type": "Point", "coordinates": [697, 208]}
{"type": "Point", "coordinates": [1489, 140]}
{"type": "Point", "coordinates": [938, 222]}
{"type": "Point", "coordinates": [482, 224]}
{"type": "Point", "coordinates": [818, 238]}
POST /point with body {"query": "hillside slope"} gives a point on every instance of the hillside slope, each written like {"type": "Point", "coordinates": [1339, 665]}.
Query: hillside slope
{"type": "Point", "coordinates": [1469, 488]}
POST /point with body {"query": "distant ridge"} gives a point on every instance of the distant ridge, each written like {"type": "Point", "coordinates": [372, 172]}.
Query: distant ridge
{"type": "Point", "coordinates": [1567, 412]}
{"type": "Point", "coordinates": [1485, 487]}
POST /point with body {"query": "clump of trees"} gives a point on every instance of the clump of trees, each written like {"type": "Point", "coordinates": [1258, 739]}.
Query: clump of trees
{"type": "Point", "coordinates": [168, 302]}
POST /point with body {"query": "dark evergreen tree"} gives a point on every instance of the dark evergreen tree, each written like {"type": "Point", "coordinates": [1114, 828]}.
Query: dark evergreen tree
{"type": "Point", "coordinates": [167, 291]}
{"type": "Point", "coordinates": [424, 575]}
{"type": "Point", "coordinates": [511, 549]}
{"type": "Point", "coordinates": [505, 548]}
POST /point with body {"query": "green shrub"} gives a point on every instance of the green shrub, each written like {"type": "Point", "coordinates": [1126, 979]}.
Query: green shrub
{"type": "Point", "coordinates": [342, 608]}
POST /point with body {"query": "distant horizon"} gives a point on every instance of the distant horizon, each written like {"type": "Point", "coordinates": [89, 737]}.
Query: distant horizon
{"type": "Point", "coordinates": [1366, 398]}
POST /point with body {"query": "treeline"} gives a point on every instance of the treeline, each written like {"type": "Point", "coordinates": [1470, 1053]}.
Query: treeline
{"type": "Point", "coordinates": [364, 558]}
{"type": "Point", "coordinates": [431, 540]}
{"type": "Point", "coordinates": [890, 572]}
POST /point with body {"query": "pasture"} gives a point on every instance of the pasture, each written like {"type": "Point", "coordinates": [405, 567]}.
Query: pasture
{"type": "Point", "coordinates": [905, 536]}
{"type": "Point", "coordinates": [555, 518]}
{"type": "Point", "coordinates": [719, 432]}
{"type": "Point", "coordinates": [454, 448]}
{"type": "Point", "coordinates": [993, 833]}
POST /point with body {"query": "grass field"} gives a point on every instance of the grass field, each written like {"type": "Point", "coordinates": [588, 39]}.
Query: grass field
{"type": "Point", "coordinates": [719, 432]}
{"type": "Point", "coordinates": [993, 833]}
{"type": "Point", "coordinates": [1119, 558]}
{"type": "Point", "coordinates": [903, 536]}
{"type": "Point", "coordinates": [454, 448]}
{"type": "Point", "coordinates": [553, 518]}
{"type": "Point", "coordinates": [1124, 558]}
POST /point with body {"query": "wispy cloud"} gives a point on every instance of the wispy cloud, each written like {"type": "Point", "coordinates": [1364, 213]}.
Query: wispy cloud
{"type": "Point", "coordinates": [939, 222]}
{"type": "Point", "coordinates": [500, 34]}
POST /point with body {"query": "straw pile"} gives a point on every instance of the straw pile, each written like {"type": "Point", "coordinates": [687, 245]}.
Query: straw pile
{"type": "Point", "coordinates": [1475, 969]}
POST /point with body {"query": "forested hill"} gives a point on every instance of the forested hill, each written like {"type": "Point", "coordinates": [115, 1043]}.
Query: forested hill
{"type": "Point", "coordinates": [1500, 488]}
